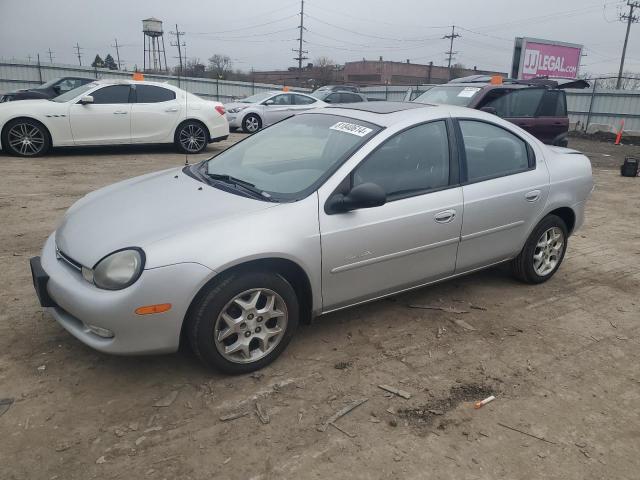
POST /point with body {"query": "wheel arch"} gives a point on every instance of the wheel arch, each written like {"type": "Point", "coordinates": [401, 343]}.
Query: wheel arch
{"type": "Point", "coordinates": [191, 119]}
{"type": "Point", "coordinates": [567, 215]}
{"type": "Point", "coordinates": [3, 130]}
{"type": "Point", "coordinates": [289, 269]}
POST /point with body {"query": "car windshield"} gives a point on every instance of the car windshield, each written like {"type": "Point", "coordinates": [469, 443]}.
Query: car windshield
{"type": "Point", "coordinates": [258, 97]}
{"type": "Point", "coordinates": [288, 160]}
{"type": "Point", "coordinates": [47, 84]}
{"type": "Point", "coordinates": [71, 94]}
{"type": "Point", "coordinates": [449, 95]}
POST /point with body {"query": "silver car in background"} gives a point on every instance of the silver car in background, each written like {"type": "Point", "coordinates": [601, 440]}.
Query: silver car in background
{"type": "Point", "coordinates": [325, 210]}
{"type": "Point", "coordinates": [266, 108]}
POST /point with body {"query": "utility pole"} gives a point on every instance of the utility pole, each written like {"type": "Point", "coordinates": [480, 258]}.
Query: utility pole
{"type": "Point", "coordinates": [79, 55]}
{"type": "Point", "coordinates": [451, 53]}
{"type": "Point", "coordinates": [300, 52]}
{"type": "Point", "coordinates": [629, 18]}
{"type": "Point", "coordinates": [50, 56]}
{"type": "Point", "coordinates": [178, 44]}
{"type": "Point", "coordinates": [117, 47]}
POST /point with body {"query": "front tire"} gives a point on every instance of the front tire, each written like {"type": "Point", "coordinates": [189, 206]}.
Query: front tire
{"type": "Point", "coordinates": [26, 138]}
{"type": "Point", "coordinates": [544, 251]}
{"type": "Point", "coordinates": [191, 137]}
{"type": "Point", "coordinates": [243, 321]}
{"type": "Point", "coordinates": [251, 123]}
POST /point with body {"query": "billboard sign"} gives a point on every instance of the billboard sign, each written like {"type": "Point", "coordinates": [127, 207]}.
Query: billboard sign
{"type": "Point", "coordinates": [534, 58]}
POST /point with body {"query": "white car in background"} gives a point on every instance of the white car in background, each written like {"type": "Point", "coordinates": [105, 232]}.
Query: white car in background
{"type": "Point", "coordinates": [112, 112]}
{"type": "Point", "coordinates": [266, 108]}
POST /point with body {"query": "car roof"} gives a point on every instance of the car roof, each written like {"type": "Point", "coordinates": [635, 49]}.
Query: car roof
{"type": "Point", "coordinates": [381, 107]}
{"type": "Point", "coordinates": [386, 114]}
{"type": "Point", "coordinates": [126, 81]}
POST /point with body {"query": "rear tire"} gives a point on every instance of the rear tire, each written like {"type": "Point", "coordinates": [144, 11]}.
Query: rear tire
{"type": "Point", "coordinates": [251, 123]}
{"type": "Point", "coordinates": [24, 137]}
{"type": "Point", "coordinates": [191, 137]}
{"type": "Point", "coordinates": [243, 321]}
{"type": "Point", "coordinates": [543, 253]}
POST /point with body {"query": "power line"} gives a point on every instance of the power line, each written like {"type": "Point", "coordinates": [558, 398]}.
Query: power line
{"type": "Point", "coordinates": [301, 52]}
{"type": "Point", "coordinates": [629, 18]}
{"type": "Point", "coordinates": [453, 35]}
{"type": "Point", "coordinates": [250, 27]}
{"type": "Point", "coordinates": [79, 55]}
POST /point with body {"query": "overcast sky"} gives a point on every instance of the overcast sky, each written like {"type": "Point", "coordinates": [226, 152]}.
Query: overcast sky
{"type": "Point", "coordinates": [261, 33]}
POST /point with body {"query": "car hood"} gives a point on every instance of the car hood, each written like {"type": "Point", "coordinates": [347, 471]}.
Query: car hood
{"type": "Point", "coordinates": [143, 210]}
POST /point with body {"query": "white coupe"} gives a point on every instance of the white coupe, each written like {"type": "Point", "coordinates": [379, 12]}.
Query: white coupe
{"type": "Point", "coordinates": [112, 112]}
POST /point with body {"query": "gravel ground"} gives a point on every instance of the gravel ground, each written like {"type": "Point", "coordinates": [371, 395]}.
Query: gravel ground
{"type": "Point", "coordinates": [561, 358]}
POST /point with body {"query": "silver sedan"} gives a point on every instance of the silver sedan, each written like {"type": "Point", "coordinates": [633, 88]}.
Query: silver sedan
{"type": "Point", "coordinates": [325, 210]}
{"type": "Point", "coordinates": [263, 109]}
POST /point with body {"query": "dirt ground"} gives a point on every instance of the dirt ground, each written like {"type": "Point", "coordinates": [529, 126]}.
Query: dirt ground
{"type": "Point", "coordinates": [562, 359]}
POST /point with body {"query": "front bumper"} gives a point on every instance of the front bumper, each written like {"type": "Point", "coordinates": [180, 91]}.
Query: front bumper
{"type": "Point", "coordinates": [234, 119]}
{"type": "Point", "coordinates": [77, 304]}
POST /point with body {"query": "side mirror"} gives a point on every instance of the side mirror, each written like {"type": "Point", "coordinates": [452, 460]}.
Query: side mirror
{"type": "Point", "coordinates": [490, 110]}
{"type": "Point", "coordinates": [270, 102]}
{"type": "Point", "coordinates": [56, 88]}
{"type": "Point", "coordinates": [86, 99]}
{"type": "Point", "coordinates": [365, 195]}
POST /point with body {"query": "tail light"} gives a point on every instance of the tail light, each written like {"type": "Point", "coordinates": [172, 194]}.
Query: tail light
{"type": "Point", "coordinates": [220, 109]}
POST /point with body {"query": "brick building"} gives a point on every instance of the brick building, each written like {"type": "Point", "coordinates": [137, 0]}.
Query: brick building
{"type": "Point", "coordinates": [381, 72]}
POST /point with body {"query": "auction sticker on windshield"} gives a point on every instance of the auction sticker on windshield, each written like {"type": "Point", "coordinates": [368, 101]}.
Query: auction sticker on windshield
{"type": "Point", "coordinates": [351, 128]}
{"type": "Point", "coordinates": [468, 92]}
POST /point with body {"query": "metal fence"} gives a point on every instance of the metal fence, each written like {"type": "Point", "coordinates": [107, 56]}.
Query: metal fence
{"type": "Point", "coordinates": [14, 75]}
{"type": "Point", "coordinates": [590, 110]}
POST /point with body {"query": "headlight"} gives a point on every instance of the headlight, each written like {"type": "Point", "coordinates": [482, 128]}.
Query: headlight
{"type": "Point", "coordinates": [236, 109]}
{"type": "Point", "coordinates": [117, 270]}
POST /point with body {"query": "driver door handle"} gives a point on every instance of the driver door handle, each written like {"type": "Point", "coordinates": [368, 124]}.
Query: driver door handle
{"type": "Point", "coordinates": [171, 109]}
{"type": "Point", "coordinates": [446, 216]}
{"type": "Point", "coordinates": [120, 112]}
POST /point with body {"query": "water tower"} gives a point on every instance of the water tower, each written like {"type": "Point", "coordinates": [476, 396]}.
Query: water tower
{"type": "Point", "coordinates": [155, 57]}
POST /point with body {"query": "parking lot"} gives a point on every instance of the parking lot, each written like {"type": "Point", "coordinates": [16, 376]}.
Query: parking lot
{"type": "Point", "coordinates": [561, 358]}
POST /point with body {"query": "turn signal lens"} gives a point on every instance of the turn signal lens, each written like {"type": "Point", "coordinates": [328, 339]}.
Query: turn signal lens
{"type": "Point", "coordinates": [151, 309]}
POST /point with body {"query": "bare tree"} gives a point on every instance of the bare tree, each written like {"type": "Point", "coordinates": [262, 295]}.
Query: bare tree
{"type": "Point", "coordinates": [220, 65]}
{"type": "Point", "coordinates": [630, 81]}
{"type": "Point", "coordinates": [458, 70]}
{"type": "Point", "coordinates": [194, 68]}
{"type": "Point", "coordinates": [326, 68]}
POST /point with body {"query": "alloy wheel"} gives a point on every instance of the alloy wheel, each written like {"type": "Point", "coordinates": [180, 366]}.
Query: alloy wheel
{"type": "Point", "coordinates": [251, 325]}
{"type": "Point", "coordinates": [252, 124]}
{"type": "Point", "coordinates": [548, 251]}
{"type": "Point", "coordinates": [26, 139]}
{"type": "Point", "coordinates": [192, 138]}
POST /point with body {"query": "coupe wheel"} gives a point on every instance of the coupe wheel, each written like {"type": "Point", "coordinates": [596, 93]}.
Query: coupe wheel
{"type": "Point", "coordinates": [26, 138]}
{"type": "Point", "coordinates": [544, 251]}
{"type": "Point", "coordinates": [243, 322]}
{"type": "Point", "coordinates": [191, 137]}
{"type": "Point", "coordinates": [251, 123]}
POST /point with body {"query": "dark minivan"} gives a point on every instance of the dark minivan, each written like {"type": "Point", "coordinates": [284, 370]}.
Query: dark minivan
{"type": "Point", "coordinates": [538, 105]}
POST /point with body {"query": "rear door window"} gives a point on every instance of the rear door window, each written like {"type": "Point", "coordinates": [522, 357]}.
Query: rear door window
{"type": "Point", "coordinates": [492, 151]}
{"type": "Point", "coordinates": [153, 94]}
{"type": "Point", "coordinates": [350, 98]}
{"type": "Point", "coordinates": [553, 104]}
{"type": "Point", "coordinates": [518, 103]}
{"type": "Point", "coordinates": [303, 100]}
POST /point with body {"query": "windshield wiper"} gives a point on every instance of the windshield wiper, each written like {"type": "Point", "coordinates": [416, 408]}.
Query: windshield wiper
{"type": "Point", "coordinates": [247, 186]}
